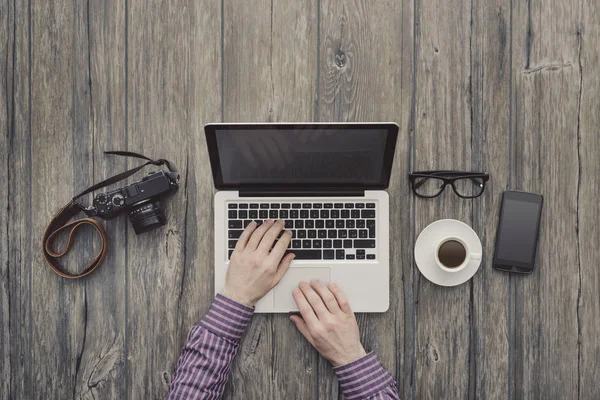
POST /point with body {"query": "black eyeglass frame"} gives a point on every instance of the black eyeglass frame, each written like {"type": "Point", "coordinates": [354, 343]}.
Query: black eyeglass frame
{"type": "Point", "coordinates": [448, 177]}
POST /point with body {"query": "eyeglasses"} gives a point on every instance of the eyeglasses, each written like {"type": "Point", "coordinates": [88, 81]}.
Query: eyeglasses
{"type": "Point", "coordinates": [467, 185]}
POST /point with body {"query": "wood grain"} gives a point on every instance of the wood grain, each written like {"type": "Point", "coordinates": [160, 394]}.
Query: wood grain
{"type": "Point", "coordinates": [62, 167]}
{"type": "Point", "coordinates": [360, 60]}
{"type": "Point", "coordinates": [270, 74]}
{"type": "Point", "coordinates": [443, 140]}
{"type": "Point", "coordinates": [490, 92]}
{"type": "Point", "coordinates": [588, 206]}
{"type": "Point", "coordinates": [546, 78]}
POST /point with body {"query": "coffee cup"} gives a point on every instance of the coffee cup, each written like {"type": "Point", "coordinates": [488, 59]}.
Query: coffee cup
{"type": "Point", "coordinates": [452, 254]}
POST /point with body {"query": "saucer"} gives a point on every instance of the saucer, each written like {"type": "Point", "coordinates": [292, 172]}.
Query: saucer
{"type": "Point", "coordinates": [426, 246]}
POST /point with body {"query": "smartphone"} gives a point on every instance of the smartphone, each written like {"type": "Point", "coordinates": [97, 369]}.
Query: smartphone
{"type": "Point", "coordinates": [518, 231]}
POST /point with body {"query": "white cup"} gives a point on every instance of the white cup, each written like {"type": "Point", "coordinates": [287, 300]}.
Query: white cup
{"type": "Point", "coordinates": [468, 254]}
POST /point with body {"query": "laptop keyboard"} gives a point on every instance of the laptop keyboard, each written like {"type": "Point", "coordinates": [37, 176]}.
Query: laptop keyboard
{"type": "Point", "coordinates": [320, 231]}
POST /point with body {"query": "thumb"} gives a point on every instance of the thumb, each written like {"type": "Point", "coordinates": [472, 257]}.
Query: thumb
{"type": "Point", "coordinates": [301, 325]}
{"type": "Point", "coordinates": [284, 265]}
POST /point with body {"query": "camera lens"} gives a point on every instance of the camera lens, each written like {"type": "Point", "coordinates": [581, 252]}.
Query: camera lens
{"type": "Point", "coordinates": [146, 216]}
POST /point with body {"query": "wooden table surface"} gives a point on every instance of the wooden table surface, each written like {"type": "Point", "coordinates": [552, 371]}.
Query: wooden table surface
{"type": "Point", "coordinates": [509, 87]}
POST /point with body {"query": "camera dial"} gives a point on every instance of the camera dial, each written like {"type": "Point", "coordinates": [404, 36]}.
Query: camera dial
{"type": "Point", "coordinates": [102, 199]}
{"type": "Point", "coordinates": [118, 200]}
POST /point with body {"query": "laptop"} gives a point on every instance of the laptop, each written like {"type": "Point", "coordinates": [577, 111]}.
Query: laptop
{"type": "Point", "coordinates": [327, 182]}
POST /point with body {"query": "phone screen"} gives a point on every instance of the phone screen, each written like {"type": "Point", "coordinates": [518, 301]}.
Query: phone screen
{"type": "Point", "coordinates": [517, 235]}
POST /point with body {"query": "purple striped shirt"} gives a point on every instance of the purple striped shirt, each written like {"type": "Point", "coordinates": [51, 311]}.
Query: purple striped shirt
{"type": "Point", "coordinates": [205, 361]}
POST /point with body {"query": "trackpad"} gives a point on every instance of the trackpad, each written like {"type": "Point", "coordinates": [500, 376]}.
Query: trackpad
{"type": "Point", "coordinates": [283, 291]}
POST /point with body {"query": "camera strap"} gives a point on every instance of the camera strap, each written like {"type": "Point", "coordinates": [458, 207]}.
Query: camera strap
{"type": "Point", "coordinates": [60, 221]}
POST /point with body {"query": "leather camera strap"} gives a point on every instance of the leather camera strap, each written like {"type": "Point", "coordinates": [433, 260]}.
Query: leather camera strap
{"type": "Point", "coordinates": [60, 221]}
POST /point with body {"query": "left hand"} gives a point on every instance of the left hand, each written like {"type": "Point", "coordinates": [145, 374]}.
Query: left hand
{"type": "Point", "coordinates": [254, 268]}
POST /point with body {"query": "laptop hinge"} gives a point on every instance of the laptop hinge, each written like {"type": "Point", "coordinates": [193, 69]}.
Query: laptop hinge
{"type": "Point", "coordinates": [301, 192]}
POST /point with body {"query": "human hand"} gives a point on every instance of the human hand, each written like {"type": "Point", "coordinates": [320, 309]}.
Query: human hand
{"type": "Point", "coordinates": [328, 322]}
{"type": "Point", "coordinates": [254, 268]}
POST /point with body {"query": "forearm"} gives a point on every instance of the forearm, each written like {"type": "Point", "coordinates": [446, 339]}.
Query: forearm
{"type": "Point", "coordinates": [205, 362]}
{"type": "Point", "coordinates": [366, 378]}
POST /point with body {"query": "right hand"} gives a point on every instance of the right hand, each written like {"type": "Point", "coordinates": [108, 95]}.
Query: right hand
{"type": "Point", "coordinates": [328, 322]}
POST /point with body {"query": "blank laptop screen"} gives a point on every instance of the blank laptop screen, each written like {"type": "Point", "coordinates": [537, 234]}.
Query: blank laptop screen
{"type": "Point", "coordinates": [315, 155]}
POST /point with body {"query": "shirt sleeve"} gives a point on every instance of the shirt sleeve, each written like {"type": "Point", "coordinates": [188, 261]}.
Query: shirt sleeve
{"type": "Point", "coordinates": [204, 365]}
{"type": "Point", "coordinates": [366, 379]}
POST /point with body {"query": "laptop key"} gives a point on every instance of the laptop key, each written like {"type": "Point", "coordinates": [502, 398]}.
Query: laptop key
{"type": "Point", "coordinates": [296, 244]}
{"type": "Point", "coordinates": [301, 233]}
{"type": "Point", "coordinates": [254, 205]}
{"type": "Point", "coordinates": [235, 234]}
{"type": "Point", "coordinates": [332, 234]}
{"type": "Point", "coordinates": [349, 256]}
{"type": "Point", "coordinates": [370, 256]}
{"type": "Point", "coordinates": [359, 205]}
{"type": "Point", "coordinates": [232, 206]}
{"type": "Point", "coordinates": [294, 214]}
{"type": "Point", "coordinates": [253, 214]}
{"type": "Point", "coordinates": [353, 233]}
{"type": "Point", "coordinates": [247, 222]}
{"type": "Point", "coordinates": [232, 214]}
{"type": "Point", "coordinates": [306, 254]}
{"type": "Point", "coordinates": [232, 244]}
{"type": "Point", "coordinates": [322, 233]}
{"type": "Point", "coordinates": [350, 223]}
{"type": "Point", "coordinates": [309, 223]}
{"type": "Point", "coordinates": [299, 224]}
{"type": "Point", "coordinates": [371, 227]}
{"type": "Point", "coordinates": [339, 223]}
{"type": "Point", "coordinates": [286, 205]}
{"type": "Point", "coordinates": [335, 213]}
{"type": "Point", "coordinates": [327, 244]}
{"type": "Point", "coordinates": [324, 214]}
{"type": "Point", "coordinates": [320, 224]}
{"type": "Point", "coordinates": [274, 205]}
{"type": "Point", "coordinates": [273, 214]}
{"type": "Point", "coordinates": [337, 244]}
{"type": "Point", "coordinates": [355, 214]}
{"type": "Point", "coordinates": [317, 205]}
{"type": "Point", "coordinates": [328, 205]}
{"type": "Point", "coordinates": [296, 205]}
{"type": "Point", "coordinates": [306, 205]}
{"type": "Point", "coordinates": [283, 214]}
{"type": "Point", "coordinates": [345, 214]}
{"type": "Point", "coordinates": [234, 224]}
{"type": "Point", "coordinates": [242, 214]}
{"type": "Point", "coordinates": [342, 234]}
{"type": "Point", "coordinates": [263, 214]}
{"type": "Point", "coordinates": [339, 254]}
{"type": "Point", "coordinates": [364, 243]}
{"type": "Point", "coordinates": [370, 205]}
{"type": "Point", "coordinates": [303, 214]}
{"type": "Point", "coordinates": [244, 205]}
{"type": "Point", "coordinates": [367, 213]}
{"type": "Point", "coordinates": [349, 205]}
{"type": "Point", "coordinates": [329, 224]}
{"type": "Point", "coordinates": [360, 252]}
{"type": "Point", "coordinates": [312, 234]}
{"type": "Point", "coordinates": [264, 205]}
{"type": "Point", "coordinates": [348, 244]}
{"type": "Point", "coordinates": [338, 205]}
{"type": "Point", "coordinates": [317, 244]}
{"type": "Point", "coordinates": [360, 223]}
{"type": "Point", "coordinates": [328, 254]}
{"type": "Point", "coordinates": [306, 243]}
{"type": "Point", "coordinates": [360, 256]}
{"type": "Point", "coordinates": [314, 214]}
{"type": "Point", "coordinates": [289, 224]}
{"type": "Point", "coordinates": [363, 233]}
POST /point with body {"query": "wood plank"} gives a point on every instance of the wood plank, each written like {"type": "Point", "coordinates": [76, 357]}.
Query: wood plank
{"type": "Point", "coordinates": [172, 80]}
{"type": "Point", "coordinates": [102, 356]}
{"type": "Point", "coordinates": [588, 207]}
{"type": "Point", "coordinates": [20, 244]}
{"type": "Point", "coordinates": [61, 144]}
{"type": "Point", "coordinates": [546, 87]}
{"type": "Point", "coordinates": [490, 97]}
{"type": "Point", "coordinates": [6, 94]}
{"type": "Point", "coordinates": [270, 64]}
{"type": "Point", "coordinates": [365, 77]}
{"type": "Point", "coordinates": [443, 141]}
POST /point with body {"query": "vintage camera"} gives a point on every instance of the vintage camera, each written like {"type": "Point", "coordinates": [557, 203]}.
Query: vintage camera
{"type": "Point", "coordinates": [141, 200]}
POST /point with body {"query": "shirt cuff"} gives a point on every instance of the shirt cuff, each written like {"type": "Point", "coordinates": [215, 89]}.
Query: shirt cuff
{"type": "Point", "coordinates": [227, 318]}
{"type": "Point", "coordinates": [363, 378]}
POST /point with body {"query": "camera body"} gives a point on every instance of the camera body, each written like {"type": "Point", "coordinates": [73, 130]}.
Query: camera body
{"type": "Point", "coordinates": [140, 199]}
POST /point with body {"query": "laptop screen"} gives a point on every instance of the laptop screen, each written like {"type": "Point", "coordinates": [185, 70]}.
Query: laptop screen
{"type": "Point", "coordinates": [312, 154]}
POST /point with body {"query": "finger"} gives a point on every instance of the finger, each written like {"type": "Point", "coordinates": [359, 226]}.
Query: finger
{"type": "Point", "coordinates": [341, 298]}
{"type": "Point", "coordinates": [314, 300]}
{"type": "Point", "coordinates": [258, 235]}
{"type": "Point", "coordinates": [284, 265]}
{"type": "Point", "coordinates": [269, 238]}
{"type": "Point", "coordinates": [301, 325]}
{"type": "Point", "coordinates": [243, 240]}
{"type": "Point", "coordinates": [328, 297]}
{"type": "Point", "coordinates": [304, 307]}
{"type": "Point", "coordinates": [282, 244]}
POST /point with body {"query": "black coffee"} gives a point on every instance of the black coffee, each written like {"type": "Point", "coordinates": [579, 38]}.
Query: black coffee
{"type": "Point", "coordinates": [452, 254]}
